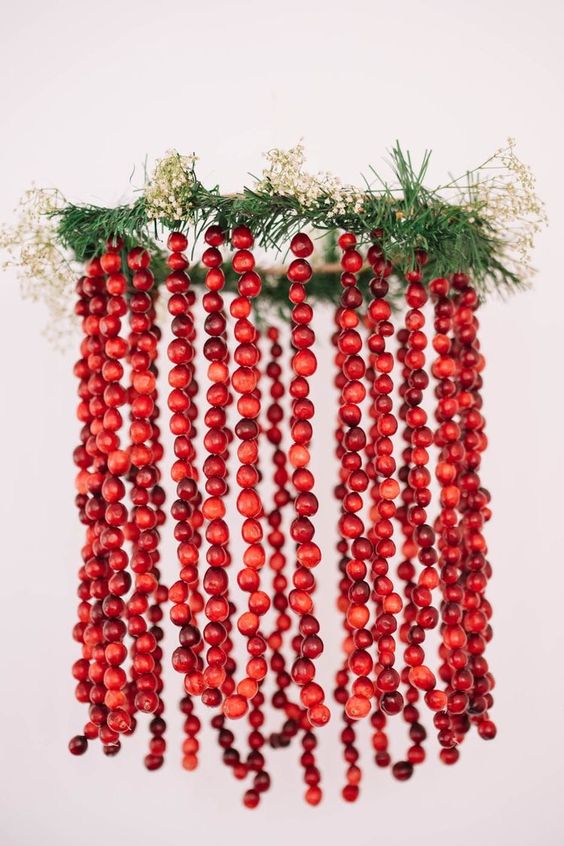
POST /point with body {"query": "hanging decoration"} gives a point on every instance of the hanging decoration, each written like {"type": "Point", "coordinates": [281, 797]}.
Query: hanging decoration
{"type": "Point", "coordinates": [405, 270]}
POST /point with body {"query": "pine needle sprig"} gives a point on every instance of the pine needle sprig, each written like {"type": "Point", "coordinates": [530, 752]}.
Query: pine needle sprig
{"type": "Point", "coordinates": [482, 223]}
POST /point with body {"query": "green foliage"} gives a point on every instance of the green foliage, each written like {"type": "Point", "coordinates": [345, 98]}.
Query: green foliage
{"type": "Point", "coordinates": [410, 216]}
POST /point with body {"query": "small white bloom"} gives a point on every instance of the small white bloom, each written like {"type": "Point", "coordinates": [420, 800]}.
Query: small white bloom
{"type": "Point", "coordinates": [285, 176]}
{"type": "Point", "coordinates": [509, 201]}
{"type": "Point", "coordinates": [169, 191]}
{"type": "Point", "coordinates": [45, 271]}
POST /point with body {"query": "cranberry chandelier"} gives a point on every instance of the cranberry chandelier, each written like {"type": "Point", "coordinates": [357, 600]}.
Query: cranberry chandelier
{"type": "Point", "coordinates": [405, 271]}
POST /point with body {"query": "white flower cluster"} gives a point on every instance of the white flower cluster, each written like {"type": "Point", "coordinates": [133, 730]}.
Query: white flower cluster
{"type": "Point", "coordinates": [285, 176]}
{"type": "Point", "coordinates": [45, 272]}
{"type": "Point", "coordinates": [168, 193]}
{"type": "Point", "coordinates": [508, 199]}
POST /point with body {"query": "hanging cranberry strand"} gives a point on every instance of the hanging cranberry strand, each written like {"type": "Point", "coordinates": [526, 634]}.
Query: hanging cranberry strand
{"type": "Point", "coordinates": [147, 496]}
{"type": "Point", "coordinates": [354, 546]}
{"type": "Point", "coordinates": [471, 683]}
{"type": "Point", "coordinates": [88, 483]}
{"type": "Point", "coordinates": [110, 711]}
{"type": "Point", "coordinates": [308, 554]}
{"type": "Point", "coordinates": [183, 594]}
{"type": "Point", "coordinates": [385, 491]}
{"type": "Point", "coordinates": [276, 538]}
{"type": "Point", "coordinates": [296, 715]}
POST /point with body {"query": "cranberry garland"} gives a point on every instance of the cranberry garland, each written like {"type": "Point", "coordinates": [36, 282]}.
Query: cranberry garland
{"type": "Point", "coordinates": [220, 667]}
{"type": "Point", "coordinates": [156, 500]}
{"type": "Point", "coordinates": [216, 441]}
{"type": "Point", "coordinates": [255, 760]}
{"type": "Point", "coordinates": [385, 490]}
{"type": "Point", "coordinates": [296, 715]}
{"type": "Point", "coordinates": [448, 439]}
{"type": "Point", "coordinates": [351, 755]}
{"type": "Point", "coordinates": [109, 712]}
{"type": "Point", "coordinates": [148, 497]}
{"type": "Point", "coordinates": [183, 594]}
{"type": "Point", "coordinates": [351, 440]}
{"type": "Point", "coordinates": [472, 688]}
{"type": "Point", "coordinates": [112, 537]}
{"type": "Point", "coordinates": [244, 381]}
{"type": "Point", "coordinates": [191, 745]}
{"type": "Point", "coordinates": [351, 525]}
{"type": "Point", "coordinates": [308, 554]}
{"type": "Point", "coordinates": [443, 568]}
{"type": "Point", "coordinates": [276, 537]}
{"type": "Point", "coordinates": [406, 572]}
{"type": "Point", "coordinates": [379, 467]}
{"type": "Point", "coordinates": [88, 482]}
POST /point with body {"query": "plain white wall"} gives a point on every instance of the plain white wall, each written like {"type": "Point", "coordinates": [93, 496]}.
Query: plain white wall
{"type": "Point", "coordinates": [88, 90]}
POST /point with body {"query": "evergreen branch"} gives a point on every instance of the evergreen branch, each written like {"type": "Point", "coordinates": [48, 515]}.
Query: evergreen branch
{"type": "Point", "coordinates": [409, 217]}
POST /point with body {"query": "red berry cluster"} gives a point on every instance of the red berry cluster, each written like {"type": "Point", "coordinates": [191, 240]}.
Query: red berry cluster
{"type": "Point", "coordinates": [384, 492]}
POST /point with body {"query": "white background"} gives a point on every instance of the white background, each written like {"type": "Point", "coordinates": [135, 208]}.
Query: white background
{"type": "Point", "coordinates": [88, 90]}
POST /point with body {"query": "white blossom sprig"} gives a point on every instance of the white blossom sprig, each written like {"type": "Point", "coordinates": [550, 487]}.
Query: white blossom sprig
{"type": "Point", "coordinates": [46, 272]}
{"type": "Point", "coordinates": [503, 192]}
{"type": "Point", "coordinates": [169, 191]}
{"type": "Point", "coordinates": [285, 176]}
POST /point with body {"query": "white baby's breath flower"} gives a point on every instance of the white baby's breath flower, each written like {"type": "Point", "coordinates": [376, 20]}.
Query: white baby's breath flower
{"type": "Point", "coordinates": [169, 191]}
{"type": "Point", "coordinates": [46, 272]}
{"type": "Point", "coordinates": [285, 177]}
{"type": "Point", "coordinates": [504, 193]}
